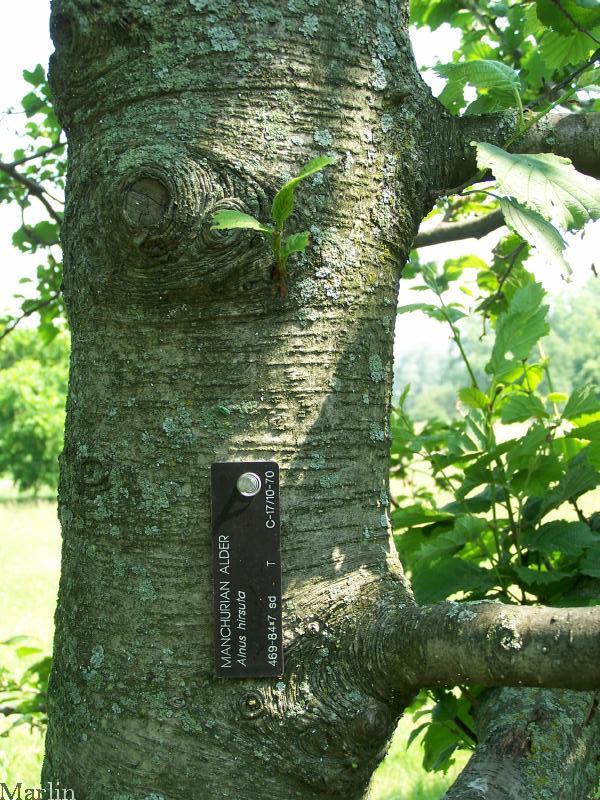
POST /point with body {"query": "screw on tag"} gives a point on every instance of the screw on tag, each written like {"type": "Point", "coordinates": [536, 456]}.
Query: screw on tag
{"type": "Point", "coordinates": [248, 484]}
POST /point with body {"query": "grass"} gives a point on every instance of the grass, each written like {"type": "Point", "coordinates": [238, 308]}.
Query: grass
{"type": "Point", "coordinates": [30, 558]}
{"type": "Point", "coordinates": [30, 555]}
{"type": "Point", "coordinates": [400, 775]}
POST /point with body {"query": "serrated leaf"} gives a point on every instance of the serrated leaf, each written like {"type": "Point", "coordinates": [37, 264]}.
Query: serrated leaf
{"type": "Point", "coordinates": [482, 74]}
{"type": "Point", "coordinates": [474, 398]}
{"type": "Point", "coordinates": [519, 407]}
{"type": "Point", "coordinates": [568, 16]}
{"type": "Point", "coordinates": [537, 231]}
{"type": "Point", "coordinates": [548, 183]}
{"type": "Point", "coordinates": [583, 400]}
{"type": "Point", "coordinates": [283, 202]}
{"type": "Point", "coordinates": [570, 538]}
{"type": "Point", "coordinates": [296, 243]}
{"type": "Point", "coordinates": [559, 51]}
{"type": "Point", "coordinates": [535, 579]}
{"type": "Point", "coordinates": [519, 328]}
{"type": "Point", "coordinates": [437, 581]}
{"type": "Point", "coordinates": [228, 219]}
{"type": "Point", "coordinates": [580, 477]}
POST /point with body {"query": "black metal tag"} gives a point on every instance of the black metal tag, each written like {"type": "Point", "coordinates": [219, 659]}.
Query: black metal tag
{"type": "Point", "coordinates": [246, 569]}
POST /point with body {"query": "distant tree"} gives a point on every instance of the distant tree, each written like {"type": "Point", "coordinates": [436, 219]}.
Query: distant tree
{"type": "Point", "coordinates": [33, 384]}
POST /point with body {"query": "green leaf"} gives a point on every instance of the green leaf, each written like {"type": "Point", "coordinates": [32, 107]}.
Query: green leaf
{"type": "Point", "coordinates": [591, 563]}
{"type": "Point", "coordinates": [229, 219]}
{"type": "Point", "coordinates": [36, 76]}
{"type": "Point", "coordinates": [296, 243]}
{"type": "Point", "coordinates": [473, 397]}
{"type": "Point", "coordinates": [283, 203]}
{"type": "Point", "coordinates": [548, 183]}
{"type": "Point", "coordinates": [559, 51]}
{"type": "Point", "coordinates": [570, 538]}
{"type": "Point", "coordinates": [482, 74]}
{"type": "Point", "coordinates": [434, 312]}
{"type": "Point", "coordinates": [439, 743]}
{"type": "Point", "coordinates": [557, 397]}
{"type": "Point", "coordinates": [583, 400]}
{"type": "Point", "coordinates": [437, 581]}
{"type": "Point", "coordinates": [567, 16]}
{"type": "Point", "coordinates": [519, 407]}
{"type": "Point", "coordinates": [580, 477]}
{"type": "Point", "coordinates": [519, 328]}
{"type": "Point", "coordinates": [537, 231]}
{"type": "Point", "coordinates": [417, 515]}
{"type": "Point", "coordinates": [536, 580]}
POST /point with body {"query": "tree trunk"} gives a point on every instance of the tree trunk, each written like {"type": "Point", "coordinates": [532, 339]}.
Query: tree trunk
{"type": "Point", "coordinates": [183, 354]}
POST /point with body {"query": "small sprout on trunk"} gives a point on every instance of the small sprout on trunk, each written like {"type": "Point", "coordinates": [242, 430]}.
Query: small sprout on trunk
{"type": "Point", "coordinates": [281, 209]}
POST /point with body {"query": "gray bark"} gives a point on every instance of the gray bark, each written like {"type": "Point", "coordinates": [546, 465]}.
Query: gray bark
{"type": "Point", "coordinates": [492, 644]}
{"type": "Point", "coordinates": [202, 106]}
{"type": "Point", "coordinates": [183, 354]}
{"type": "Point", "coordinates": [535, 744]}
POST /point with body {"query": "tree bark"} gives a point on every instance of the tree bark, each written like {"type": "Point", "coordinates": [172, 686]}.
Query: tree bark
{"type": "Point", "coordinates": [183, 354]}
{"type": "Point", "coordinates": [535, 744]}
{"type": "Point", "coordinates": [492, 644]}
{"type": "Point", "coordinates": [174, 110]}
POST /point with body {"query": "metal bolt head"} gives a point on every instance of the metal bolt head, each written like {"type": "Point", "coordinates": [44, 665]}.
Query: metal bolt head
{"type": "Point", "coordinates": [248, 484]}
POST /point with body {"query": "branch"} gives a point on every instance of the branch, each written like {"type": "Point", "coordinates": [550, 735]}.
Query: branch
{"type": "Point", "coordinates": [453, 231]}
{"type": "Point", "coordinates": [39, 154]}
{"type": "Point", "coordinates": [17, 320]}
{"type": "Point", "coordinates": [533, 743]}
{"type": "Point", "coordinates": [33, 187]}
{"type": "Point", "coordinates": [575, 136]}
{"type": "Point", "coordinates": [492, 644]}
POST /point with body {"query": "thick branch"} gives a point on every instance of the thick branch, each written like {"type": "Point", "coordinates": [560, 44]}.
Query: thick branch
{"type": "Point", "coordinates": [453, 231]}
{"type": "Point", "coordinates": [493, 644]}
{"type": "Point", "coordinates": [533, 743]}
{"type": "Point", "coordinates": [576, 136]}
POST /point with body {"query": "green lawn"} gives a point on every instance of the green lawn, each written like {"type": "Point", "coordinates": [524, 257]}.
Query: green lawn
{"type": "Point", "coordinates": [30, 557]}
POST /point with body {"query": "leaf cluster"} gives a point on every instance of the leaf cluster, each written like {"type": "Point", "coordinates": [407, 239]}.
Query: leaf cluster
{"type": "Point", "coordinates": [23, 690]}
{"type": "Point", "coordinates": [489, 505]}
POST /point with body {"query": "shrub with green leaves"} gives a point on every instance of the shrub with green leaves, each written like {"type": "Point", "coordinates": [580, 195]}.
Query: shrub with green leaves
{"type": "Point", "coordinates": [33, 178]}
{"type": "Point", "coordinates": [33, 385]}
{"type": "Point", "coordinates": [23, 689]}
{"type": "Point", "coordinates": [500, 515]}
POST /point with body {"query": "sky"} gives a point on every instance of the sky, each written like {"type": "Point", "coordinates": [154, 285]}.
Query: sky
{"type": "Point", "coordinates": [26, 42]}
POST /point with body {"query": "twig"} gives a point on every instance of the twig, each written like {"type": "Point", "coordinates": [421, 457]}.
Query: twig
{"type": "Point", "coordinates": [593, 59]}
{"type": "Point", "coordinates": [453, 231]}
{"type": "Point", "coordinates": [42, 304]}
{"type": "Point", "coordinates": [33, 187]}
{"type": "Point", "coordinates": [41, 154]}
